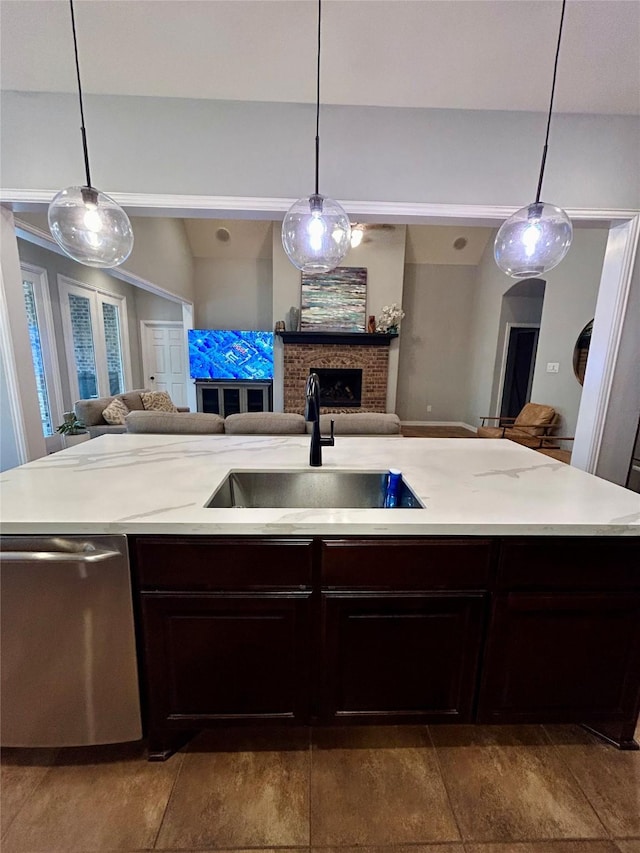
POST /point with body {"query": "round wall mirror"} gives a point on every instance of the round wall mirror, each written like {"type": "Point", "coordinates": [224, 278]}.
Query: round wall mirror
{"type": "Point", "coordinates": [581, 352]}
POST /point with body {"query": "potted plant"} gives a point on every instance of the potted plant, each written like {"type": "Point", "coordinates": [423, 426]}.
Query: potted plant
{"type": "Point", "coordinates": [72, 430]}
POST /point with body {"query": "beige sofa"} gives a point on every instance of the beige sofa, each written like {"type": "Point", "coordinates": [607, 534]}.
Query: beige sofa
{"type": "Point", "coordinates": [140, 420]}
{"type": "Point", "coordinates": [174, 423]}
{"type": "Point", "coordinates": [360, 423]}
{"type": "Point", "coordinates": [90, 412]}
{"type": "Point", "coordinates": [260, 423]}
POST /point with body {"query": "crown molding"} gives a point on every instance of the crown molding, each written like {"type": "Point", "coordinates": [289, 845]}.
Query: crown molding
{"type": "Point", "coordinates": [223, 207]}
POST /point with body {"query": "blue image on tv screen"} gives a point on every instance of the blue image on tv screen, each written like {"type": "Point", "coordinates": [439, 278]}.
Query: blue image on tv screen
{"type": "Point", "coordinates": [223, 354]}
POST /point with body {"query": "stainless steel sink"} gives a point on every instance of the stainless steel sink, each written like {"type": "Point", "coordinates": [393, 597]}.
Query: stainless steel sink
{"type": "Point", "coordinates": [307, 489]}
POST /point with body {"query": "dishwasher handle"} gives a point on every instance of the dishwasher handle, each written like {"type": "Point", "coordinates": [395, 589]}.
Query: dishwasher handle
{"type": "Point", "coordinates": [95, 556]}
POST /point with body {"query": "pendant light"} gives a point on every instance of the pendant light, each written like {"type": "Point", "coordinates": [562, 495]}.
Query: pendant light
{"type": "Point", "coordinates": [88, 225]}
{"type": "Point", "coordinates": [316, 232]}
{"type": "Point", "coordinates": [536, 238]}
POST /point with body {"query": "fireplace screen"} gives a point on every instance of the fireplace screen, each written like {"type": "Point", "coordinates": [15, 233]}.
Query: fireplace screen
{"type": "Point", "coordinates": [339, 387]}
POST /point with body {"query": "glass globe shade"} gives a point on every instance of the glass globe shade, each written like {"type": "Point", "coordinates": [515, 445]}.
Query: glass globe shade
{"type": "Point", "coordinates": [90, 227]}
{"type": "Point", "coordinates": [316, 234]}
{"type": "Point", "coordinates": [533, 240]}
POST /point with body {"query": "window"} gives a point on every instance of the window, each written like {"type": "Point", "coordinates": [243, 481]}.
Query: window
{"type": "Point", "coordinates": [96, 340]}
{"type": "Point", "coordinates": [41, 337]}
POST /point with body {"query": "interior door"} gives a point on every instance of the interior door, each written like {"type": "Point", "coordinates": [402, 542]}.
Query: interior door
{"type": "Point", "coordinates": [521, 359]}
{"type": "Point", "coordinates": [164, 358]}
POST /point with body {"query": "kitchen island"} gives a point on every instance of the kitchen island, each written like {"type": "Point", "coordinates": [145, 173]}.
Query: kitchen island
{"type": "Point", "coordinates": [513, 596]}
{"type": "Point", "coordinates": [161, 484]}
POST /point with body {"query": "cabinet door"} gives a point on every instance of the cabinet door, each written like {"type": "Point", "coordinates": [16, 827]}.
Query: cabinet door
{"type": "Point", "coordinates": [226, 657]}
{"type": "Point", "coordinates": [562, 658]}
{"type": "Point", "coordinates": [402, 656]}
{"type": "Point", "coordinates": [231, 401]}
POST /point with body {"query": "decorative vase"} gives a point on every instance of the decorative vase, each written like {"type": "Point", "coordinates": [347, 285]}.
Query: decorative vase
{"type": "Point", "coordinates": [70, 439]}
{"type": "Point", "coordinates": [294, 319]}
{"type": "Point", "coordinates": [392, 330]}
{"type": "Point", "coordinates": [371, 325]}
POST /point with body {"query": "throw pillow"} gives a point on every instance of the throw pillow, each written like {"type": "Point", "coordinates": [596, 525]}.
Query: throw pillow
{"type": "Point", "coordinates": [115, 413]}
{"type": "Point", "coordinates": [157, 401]}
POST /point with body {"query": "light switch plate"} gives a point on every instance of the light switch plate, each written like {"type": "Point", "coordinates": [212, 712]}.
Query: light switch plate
{"type": "Point", "coordinates": [553, 366]}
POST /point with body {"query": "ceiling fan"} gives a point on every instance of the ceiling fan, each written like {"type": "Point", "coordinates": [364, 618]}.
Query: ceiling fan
{"type": "Point", "coordinates": [365, 232]}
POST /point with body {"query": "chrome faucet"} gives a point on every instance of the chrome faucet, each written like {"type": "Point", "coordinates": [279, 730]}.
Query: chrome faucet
{"type": "Point", "coordinates": [312, 413]}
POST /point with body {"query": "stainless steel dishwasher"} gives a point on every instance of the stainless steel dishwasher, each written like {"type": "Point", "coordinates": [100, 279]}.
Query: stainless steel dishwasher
{"type": "Point", "coordinates": [68, 656]}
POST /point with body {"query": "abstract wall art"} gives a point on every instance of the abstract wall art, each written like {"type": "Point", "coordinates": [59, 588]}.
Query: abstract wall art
{"type": "Point", "coordinates": [334, 301]}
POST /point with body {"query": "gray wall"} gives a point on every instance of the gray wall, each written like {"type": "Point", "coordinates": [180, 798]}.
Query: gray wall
{"type": "Point", "coordinates": [199, 147]}
{"type": "Point", "coordinates": [434, 345]}
{"type": "Point", "coordinates": [233, 294]}
{"type": "Point", "coordinates": [141, 305]}
{"type": "Point", "coordinates": [160, 255]}
{"type": "Point", "coordinates": [569, 303]}
{"type": "Point", "coordinates": [152, 307]}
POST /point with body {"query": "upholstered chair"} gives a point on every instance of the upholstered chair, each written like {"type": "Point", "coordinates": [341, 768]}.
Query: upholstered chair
{"type": "Point", "coordinates": [534, 422]}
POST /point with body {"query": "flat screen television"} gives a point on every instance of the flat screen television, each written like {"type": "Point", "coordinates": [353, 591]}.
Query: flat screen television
{"type": "Point", "coordinates": [224, 354]}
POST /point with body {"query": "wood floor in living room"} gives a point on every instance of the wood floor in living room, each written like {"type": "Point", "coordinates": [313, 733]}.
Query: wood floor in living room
{"type": "Point", "coordinates": [415, 789]}
{"type": "Point", "coordinates": [424, 431]}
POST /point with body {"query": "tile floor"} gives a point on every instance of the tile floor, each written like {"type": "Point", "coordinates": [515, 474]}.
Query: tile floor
{"type": "Point", "coordinates": [441, 789]}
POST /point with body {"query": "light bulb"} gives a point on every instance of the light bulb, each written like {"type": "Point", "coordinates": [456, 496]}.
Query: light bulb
{"type": "Point", "coordinates": [316, 230]}
{"type": "Point", "coordinates": [533, 240]}
{"type": "Point", "coordinates": [92, 218]}
{"type": "Point", "coordinates": [356, 237]}
{"type": "Point", "coordinates": [90, 227]}
{"type": "Point", "coordinates": [316, 234]}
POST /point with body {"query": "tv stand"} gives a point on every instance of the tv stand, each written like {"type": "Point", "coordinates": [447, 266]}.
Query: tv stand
{"type": "Point", "coordinates": [230, 396]}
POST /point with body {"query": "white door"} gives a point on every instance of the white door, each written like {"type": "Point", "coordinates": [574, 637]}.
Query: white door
{"type": "Point", "coordinates": [164, 358]}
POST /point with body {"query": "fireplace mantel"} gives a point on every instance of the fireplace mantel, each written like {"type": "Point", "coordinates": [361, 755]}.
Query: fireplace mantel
{"type": "Point", "coordinates": [351, 339]}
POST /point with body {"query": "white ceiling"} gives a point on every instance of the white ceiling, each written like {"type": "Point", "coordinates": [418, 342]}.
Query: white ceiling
{"type": "Point", "coordinates": [456, 54]}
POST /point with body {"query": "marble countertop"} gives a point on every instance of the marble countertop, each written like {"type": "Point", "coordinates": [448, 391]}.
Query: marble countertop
{"type": "Point", "coordinates": [160, 484]}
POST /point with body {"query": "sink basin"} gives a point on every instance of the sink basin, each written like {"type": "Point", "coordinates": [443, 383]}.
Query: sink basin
{"type": "Point", "coordinates": [307, 489]}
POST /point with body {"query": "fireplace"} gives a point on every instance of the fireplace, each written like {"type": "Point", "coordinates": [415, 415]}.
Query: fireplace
{"type": "Point", "coordinates": [339, 386]}
{"type": "Point", "coordinates": [357, 360]}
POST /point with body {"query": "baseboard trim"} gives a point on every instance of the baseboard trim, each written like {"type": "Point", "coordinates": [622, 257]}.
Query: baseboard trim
{"type": "Point", "coordinates": [440, 423]}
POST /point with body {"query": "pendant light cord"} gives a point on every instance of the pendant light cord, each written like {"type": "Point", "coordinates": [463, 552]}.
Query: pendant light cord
{"type": "Point", "coordinates": [318, 100]}
{"type": "Point", "coordinates": [82, 128]}
{"type": "Point", "coordinates": [553, 88]}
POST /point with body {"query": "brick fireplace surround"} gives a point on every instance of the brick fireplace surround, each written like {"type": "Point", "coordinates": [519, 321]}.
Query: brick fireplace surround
{"type": "Point", "coordinates": [373, 360]}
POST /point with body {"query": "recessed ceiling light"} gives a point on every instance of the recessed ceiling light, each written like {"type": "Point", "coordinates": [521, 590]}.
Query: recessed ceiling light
{"type": "Point", "coordinates": [460, 243]}
{"type": "Point", "coordinates": [223, 235]}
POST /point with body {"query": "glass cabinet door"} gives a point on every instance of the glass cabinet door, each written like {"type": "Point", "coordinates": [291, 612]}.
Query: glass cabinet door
{"type": "Point", "coordinates": [231, 398]}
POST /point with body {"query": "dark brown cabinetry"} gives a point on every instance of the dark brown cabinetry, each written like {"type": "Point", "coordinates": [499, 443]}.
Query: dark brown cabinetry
{"type": "Point", "coordinates": [564, 643]}
{"type": "Point", "coordinates": [402, 628]}
{"type": "Point", "coordinates": [226, 632]}
{"type": "Point", "coordinates": [421, 629]}
{"type": "Point", "coordinates": [409, 657]}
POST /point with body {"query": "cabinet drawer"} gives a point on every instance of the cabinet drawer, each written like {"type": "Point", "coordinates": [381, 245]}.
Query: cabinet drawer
{"type": "Point", "coordinates": [194, 564]}
{"type": "Point", "coordinates": [406, 563]}
{"type": "Point", "coordinates": [569, 563]}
